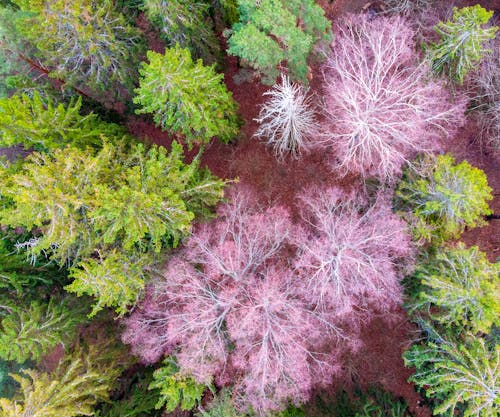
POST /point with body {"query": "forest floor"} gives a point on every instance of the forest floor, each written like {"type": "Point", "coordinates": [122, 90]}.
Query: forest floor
{"type": "Point", "coordinates": [378, 361]}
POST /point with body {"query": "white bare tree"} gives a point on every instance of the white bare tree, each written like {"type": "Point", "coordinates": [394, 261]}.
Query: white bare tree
{"type": "Point", "coordinates": [287, 121]}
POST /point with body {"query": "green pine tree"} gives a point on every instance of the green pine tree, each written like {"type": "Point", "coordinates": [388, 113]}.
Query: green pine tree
{"type": "Point", "coordinates": [445, 197]}
{"type": "Point", "coordinates": [268, 33]}
{"type": "Point", "coordinates": [462, 43]}
{"type": "Point", "coordinates": [101, 214]}
{"type": "Point", "coordinates": [186, 97]}
{"type": "Point", "coordinates": [41, 124]}
{"type": "Point", "coordinates": [85, 43]}
{"type": "Point", "coordinates": [464, 374]}
{"type": "Point", "coordinates": [188, 24]}
{"type": "Point", "coordinates": [460, 289]}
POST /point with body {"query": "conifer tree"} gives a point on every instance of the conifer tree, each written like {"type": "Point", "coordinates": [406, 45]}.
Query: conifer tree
{"type": "Point", "coordinates": [186, 97]}
{"type": "Point", "coordinates": [269, 32]}
{"type": "Point", "coordinates": [186, 23]}
{"type": "Point", "coordinates": [99, 214]}
{"type": "Point", "coordinates": [83, 42]}
{"type": "Point", "coordinates": [82, 379]}
{"type": "Point", "coordinates": [459, 289]}
{"type": "Point", "coordinates": [42, 124]}
{"type": "Point", "coordinates": [445, 197]}
{"type": "Point", "coordinates": [458, 374]}
{"type": "Point", "coordinates": [30, 331]}
{"type": "Point", "coordinates": [462, 43]}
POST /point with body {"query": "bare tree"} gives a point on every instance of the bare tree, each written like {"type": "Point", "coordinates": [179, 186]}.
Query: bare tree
{"type": "Point", "coordinates": [381, 105]}
{"type": "Point", "coordinates": [287, 121]}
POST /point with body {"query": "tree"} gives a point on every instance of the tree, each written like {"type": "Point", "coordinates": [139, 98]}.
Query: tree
{"type": "Point", "coordinates": [445, 197]}
{"type": "Point", "coordinates": [287, 121]}
{"type": "Point", "coordinates": [487, 99]}
{"type": "Point", "coordinates": [272, 31]}
{"type": "Point", "coordinates": [461, 46]}
{"type": "Point", "coordinates": [40, 123]}
{"type": "Point", "coordinates": [83, 42]}
{"type": "Point", "coordinates": [31, 331]}
{"type": "Point", "coordinates": [186, 97]}
{"type": "Point", "coordinates": [187, 24]}
{"type": "Point", "coordinates": [101, 212]}
{"type": "Point", "coordinates": [463, 285]}
{"type": "Point", "coordinates": [380, 106]}
{"type": "Point", "coordinates": [230, 307]}
{"type": "Point", "coordinates": [82, 379]}
{"type": "Point", "coordinates": [348, 255]}
{"type": "Point", "coordinates": [458, 374]}
{"type": "Point", "coordinates": [175, 388]}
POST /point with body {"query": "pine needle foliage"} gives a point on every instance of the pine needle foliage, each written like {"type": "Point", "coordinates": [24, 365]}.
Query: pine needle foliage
{"type": "Point", "coordinates": [31, 331]}
{"type": "Point", "coordinates": [86, 43]}
{"type": "Point", "coordinates": [268, 33]}
{"type": "Point", "coordinates": [186, 97]}
{"type": "Point", "coordinates": [176, 389]}
{"type": "Point", "coordinates": [118, 202]}
{"type": "Point", "coordinates": [42, 124]}
{"type": "Point", "coordinates": [445, 197]}
{"type": "Point", "coordinates": [82, 379]}
{"type": "Point", "coordinates": [458, 374]}
{"type": "Point", "coordinates": [186, 23]}
{"type": "Point", "coordinates": [463, 288]}
{"type": "Point", "coordinates": [462, 43]}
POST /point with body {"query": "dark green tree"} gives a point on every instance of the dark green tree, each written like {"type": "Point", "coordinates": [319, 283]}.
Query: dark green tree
{"type": "Point", "coordinates": [272, 31]}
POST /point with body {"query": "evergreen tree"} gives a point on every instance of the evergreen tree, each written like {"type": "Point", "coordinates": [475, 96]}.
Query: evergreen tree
{"type": "Point", "coordinates": [457, 373]}
{"type": "Point", "coordinates": [186, 23]}
{"type": "Point", "coordinates": [445, 197]}
{"type": "Point", "coordinates": [100, 213]}
{"type": "Point", "coordinates": [268, 33]}
{"type": "Point", "coordinates": [30, 331]}
{"type": "Point", "coordinates": [462, 43]}
{"type": "Point", "coordinates": [83, 378]}
{"type": "Point", "coordinates": [83, 42]}
{"type": "Point", "coordinates": [460, 289]}
{"type": "Point", "coordinates": [186, 97]}
{"type": "Point", "coordinates": [40, 123]}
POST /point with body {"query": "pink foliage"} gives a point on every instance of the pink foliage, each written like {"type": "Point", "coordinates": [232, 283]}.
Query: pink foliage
{"type": "Point", "coordinates": [233, 304]}
{"type": "Point", "coordinates": [348, 256]}
{"type": "Point", "coordinates": [382, 106]}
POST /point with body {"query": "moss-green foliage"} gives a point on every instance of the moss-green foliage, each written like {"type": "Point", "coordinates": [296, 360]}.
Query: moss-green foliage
{"type": "Point", "coordinates": [221, 406]}
{"type": "Point", "coordinates": [176, 389]}
{"type": "Point", "coordinates": [445, 197]}
{"type": "Point", "coordinates": [186, 23]}
{"type": "Point", "coordinates": [83, 42]}
{"type": "Point", "coordinates": [186, 97]}
{"type": "Point", "coordinates": [30, 331]}
{"type": "Point", "coordinates": [268, 33]}
{"type": "Point", "coordinates": [41, 124]}
{"type": "Point", "coordinates": [462, 43]}
{"type": "Point", "coordinates": [459, 374]}
{"type": "Point", "coordinates": [374, 402]}
{"type": "Point", "coordinates": [83, 378]}
{"type": "Point", "coordinates": [119, 202]}
{"type": "Point", "coordinates": [227, 9]}
{"type": "Point", "coordinates": [135, 401]}
{"type": "Point", "coordinates": [460, 289]}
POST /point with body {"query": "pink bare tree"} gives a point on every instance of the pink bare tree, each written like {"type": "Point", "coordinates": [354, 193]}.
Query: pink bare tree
{"type": "Point", "coordinates": [381, 105]}
{"type": "Point", "coordinates": [347, 257]}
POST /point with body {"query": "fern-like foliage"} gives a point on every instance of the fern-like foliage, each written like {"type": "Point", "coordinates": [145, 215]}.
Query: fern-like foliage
{"type": "Point", "coordinates": [176, 389]}
{"type": "Point", "coordinates": [31, 331]}
{"type": "Point", "coordinates": [458, 374]}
